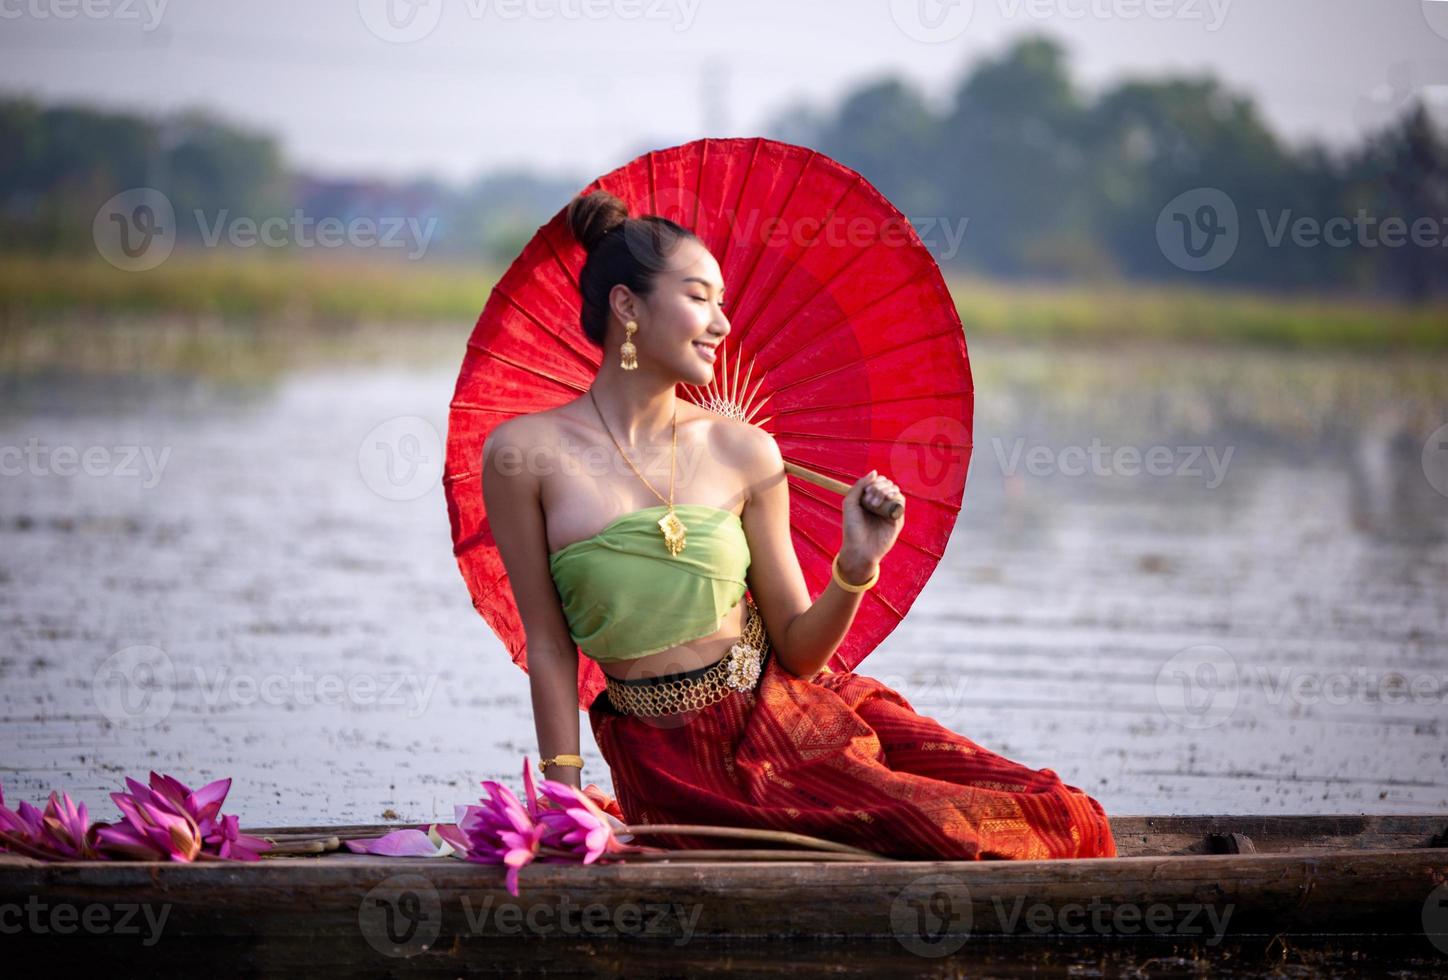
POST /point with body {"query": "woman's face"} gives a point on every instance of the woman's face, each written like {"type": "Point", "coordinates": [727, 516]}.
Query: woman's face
{"type": "Point", "coordinates": [682, 322]}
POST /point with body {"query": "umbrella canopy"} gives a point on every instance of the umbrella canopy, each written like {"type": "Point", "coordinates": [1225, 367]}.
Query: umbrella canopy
{"type": "Point", "coordinates": [845, 346]}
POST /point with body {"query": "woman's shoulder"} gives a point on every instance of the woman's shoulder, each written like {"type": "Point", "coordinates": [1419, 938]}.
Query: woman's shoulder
{"type": "Point", "coordinates": [528, 427]}
{"type": "Point", "coordinates": [746, 446]}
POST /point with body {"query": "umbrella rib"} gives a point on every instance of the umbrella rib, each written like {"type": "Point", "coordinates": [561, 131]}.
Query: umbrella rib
{"type": "Point", "coordinates": [808, 245]}
{"type": "Point", "coordinates": [887, 350]}
{"type": "Point", "coordinates": [950, 509]}
{"type": "Point", "coordinates": [870, 594]}
{"type": "Point", "coordinates": [738, 200]}
{"type": "Point", "coordinates": [845, 318]}
{"type": "Point", "coordinates": [527, 368]}
{"type": "Point", "coordinates": [783, 208]}
{"type": "Point", "coordinates": [699, 183]}
{"type": "Point", "coordinates": [568, 348]}
{"type": "Point", "coordinates": [822, 287]}
{"type": "Point", "coordinates": [933, 396]}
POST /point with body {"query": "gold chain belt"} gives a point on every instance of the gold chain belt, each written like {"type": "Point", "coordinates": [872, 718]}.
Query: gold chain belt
{"type": "Point", "coordinates": [738, 670]}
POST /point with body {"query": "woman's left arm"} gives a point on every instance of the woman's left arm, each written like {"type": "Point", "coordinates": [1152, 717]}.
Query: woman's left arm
{"type": "Point", "coordinates": [804, 634]}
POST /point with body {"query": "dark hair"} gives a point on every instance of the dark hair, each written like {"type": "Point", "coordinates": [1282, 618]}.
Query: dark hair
{"type": "Point", "coordinates": [631, 251]}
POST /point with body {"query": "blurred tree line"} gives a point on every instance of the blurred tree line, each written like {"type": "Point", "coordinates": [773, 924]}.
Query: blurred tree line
{"type": "Point", "coordinates": [1048, 184]}
{"type": "Point", "coordinates": [1055, 186]}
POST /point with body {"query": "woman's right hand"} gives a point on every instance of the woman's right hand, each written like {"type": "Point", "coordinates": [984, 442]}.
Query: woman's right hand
{"type": "Point", "coordinates": [866, 537]}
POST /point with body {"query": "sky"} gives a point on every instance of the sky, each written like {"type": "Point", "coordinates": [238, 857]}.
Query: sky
{"type": "Point", "coordinates": [455, 88]}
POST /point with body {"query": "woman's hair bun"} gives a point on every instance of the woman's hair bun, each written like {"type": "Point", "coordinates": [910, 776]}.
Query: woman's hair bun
{"type": "Point", "coordinates": [591, 216]}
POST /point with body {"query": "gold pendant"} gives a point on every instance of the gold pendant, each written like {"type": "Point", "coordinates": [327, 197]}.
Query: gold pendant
{"type": "Point", "coordinates": [673, 529]}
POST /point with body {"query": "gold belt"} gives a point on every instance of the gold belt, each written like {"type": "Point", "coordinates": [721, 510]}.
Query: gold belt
{"type": "Point", "coordinates": [738, 670]}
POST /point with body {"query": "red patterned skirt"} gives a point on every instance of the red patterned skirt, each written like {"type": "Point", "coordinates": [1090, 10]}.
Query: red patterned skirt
{"type": "Point", "coordinates": [844, 757]}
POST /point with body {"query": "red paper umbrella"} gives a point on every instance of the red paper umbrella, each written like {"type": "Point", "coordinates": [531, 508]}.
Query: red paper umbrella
{"type": "Point", "coordinates": [845, 346]}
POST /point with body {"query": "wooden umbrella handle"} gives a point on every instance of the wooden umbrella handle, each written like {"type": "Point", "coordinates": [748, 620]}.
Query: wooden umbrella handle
{"type": "Point", "coordinates": [889, 508]}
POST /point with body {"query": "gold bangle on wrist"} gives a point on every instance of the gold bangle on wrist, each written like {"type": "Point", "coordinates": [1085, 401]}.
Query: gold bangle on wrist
{"type": "Point", "coordinates": [839, 579]}
{"type": "Point", "coordinates": [561, 760]}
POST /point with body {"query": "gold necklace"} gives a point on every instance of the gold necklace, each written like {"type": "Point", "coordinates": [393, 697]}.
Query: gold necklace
{"type": "Point", "coordinates": [672, 528]}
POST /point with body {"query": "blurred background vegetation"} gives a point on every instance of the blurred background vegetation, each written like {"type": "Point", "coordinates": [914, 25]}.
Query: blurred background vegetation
{"type": "Point", "coordinates": [1061, 195]}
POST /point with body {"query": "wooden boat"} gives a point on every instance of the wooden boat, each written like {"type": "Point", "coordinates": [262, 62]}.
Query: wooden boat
{"type": "Point", "coordinates": [1245, 894]}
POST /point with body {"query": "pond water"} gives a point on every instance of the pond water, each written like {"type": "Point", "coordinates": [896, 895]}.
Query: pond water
{"type": "Point", "coordinates": [256, 581]}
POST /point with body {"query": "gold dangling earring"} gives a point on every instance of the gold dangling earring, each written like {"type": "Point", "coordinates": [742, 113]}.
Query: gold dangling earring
{"type": "Point", "coordinates": [628, 350]}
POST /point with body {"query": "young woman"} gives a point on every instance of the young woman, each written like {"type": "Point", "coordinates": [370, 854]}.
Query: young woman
{"type": "Point", "coordinates": [631, 523]}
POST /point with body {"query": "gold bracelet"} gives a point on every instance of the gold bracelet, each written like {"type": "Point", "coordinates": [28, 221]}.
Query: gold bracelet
{"type": "Point", "coordinates": [835, 572]}
{"type": "Point", "coordinates": [561, 760]}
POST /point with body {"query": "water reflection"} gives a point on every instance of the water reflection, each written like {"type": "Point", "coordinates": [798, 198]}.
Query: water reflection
{"type": "Point", "coordinates": [322, 649]}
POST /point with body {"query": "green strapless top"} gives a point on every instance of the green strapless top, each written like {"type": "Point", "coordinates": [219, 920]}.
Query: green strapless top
{"type": "Point", "coordinates": [625, 596]}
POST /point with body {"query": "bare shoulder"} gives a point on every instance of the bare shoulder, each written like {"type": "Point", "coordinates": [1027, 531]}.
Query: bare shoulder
{"type": "Point", "coordinates": [524, 431]}
{"type": "Point", "coordinates": [749, 449]}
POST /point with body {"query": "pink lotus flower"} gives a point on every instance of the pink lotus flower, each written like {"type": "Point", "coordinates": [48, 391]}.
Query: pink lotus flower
{"type": "Point", "coordinates": [167, 821]}
{"type": "Point", "coordinates": [566, 825]}
{"type": "Point", "coordinates": [63, 832]}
